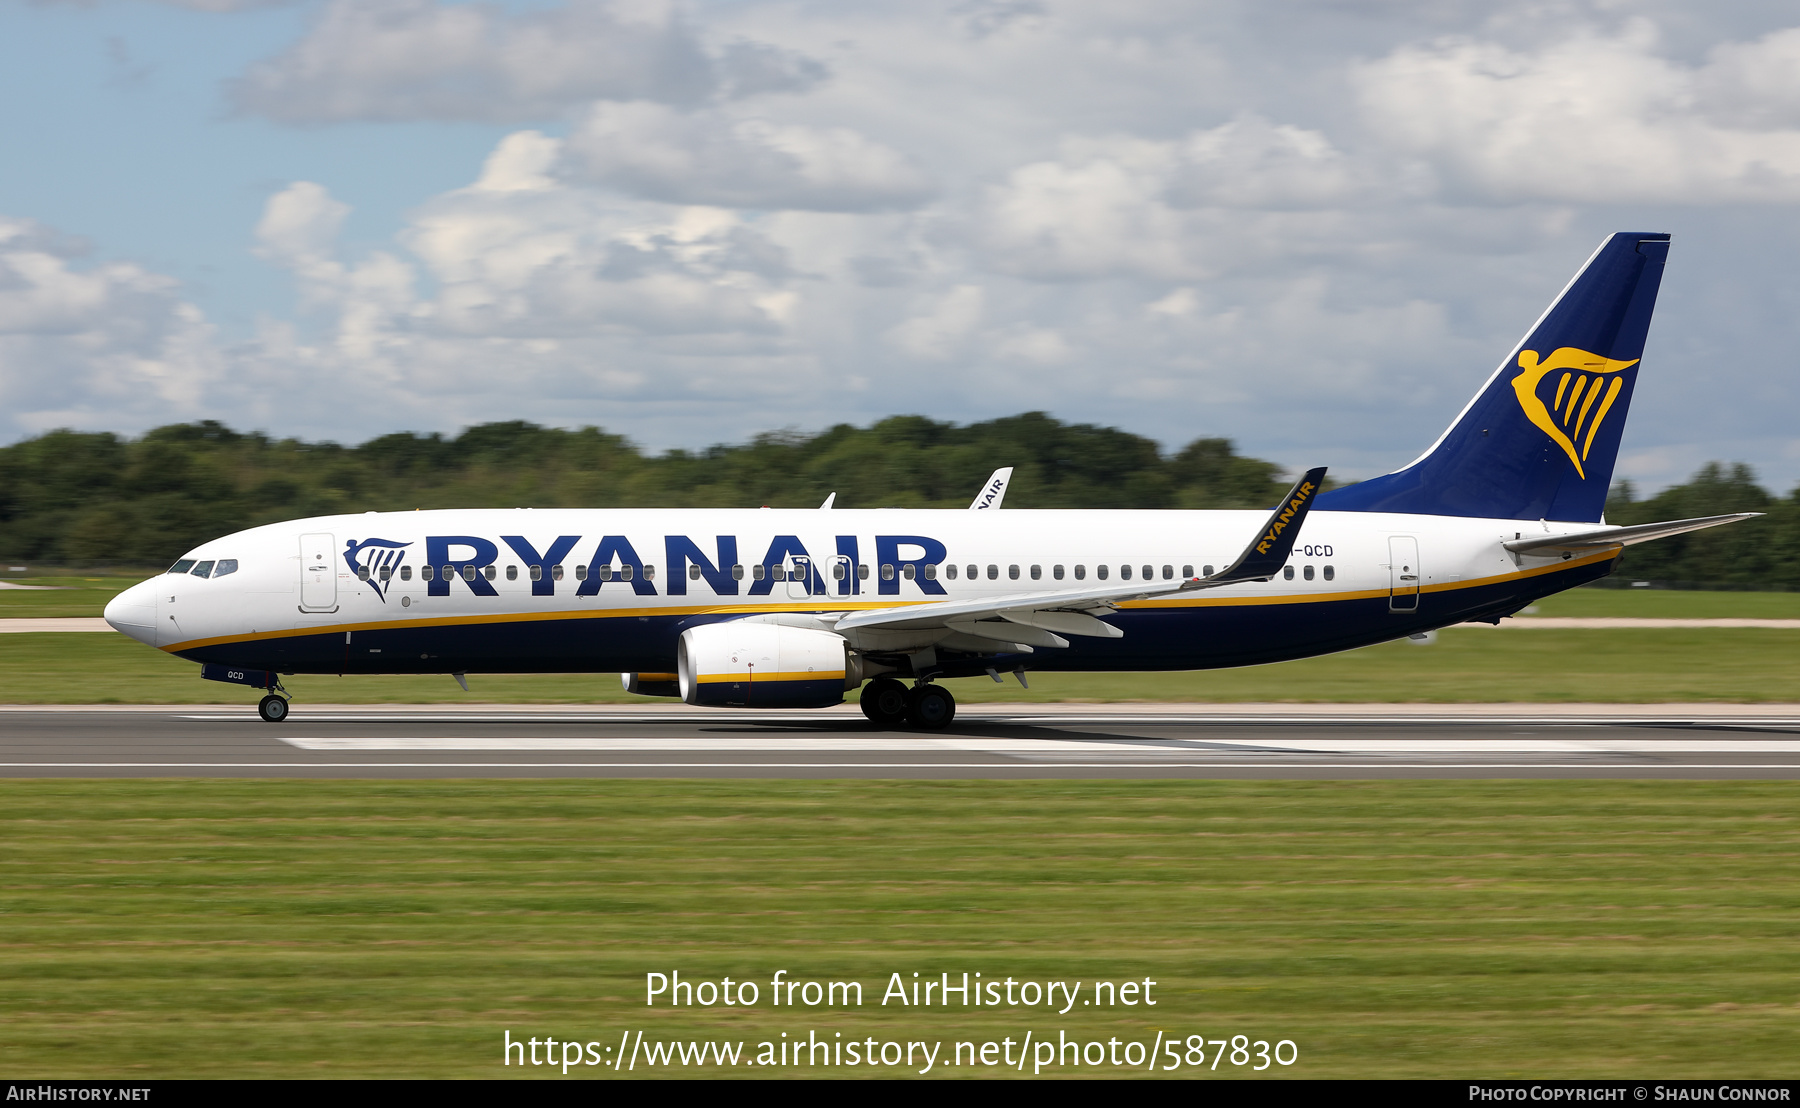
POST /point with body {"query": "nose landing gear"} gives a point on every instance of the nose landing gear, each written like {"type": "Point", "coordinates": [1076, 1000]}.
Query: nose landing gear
{"type": "Point", "coordinates": [273, 709]}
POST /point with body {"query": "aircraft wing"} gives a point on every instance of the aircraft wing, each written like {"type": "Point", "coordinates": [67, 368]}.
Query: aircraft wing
{"type": "Point", "coordinates": [994, 491]}
{"type": "Point", "coordinates": [1619, 536]}
{"type": "Point", "coordinates": [1038, 618]}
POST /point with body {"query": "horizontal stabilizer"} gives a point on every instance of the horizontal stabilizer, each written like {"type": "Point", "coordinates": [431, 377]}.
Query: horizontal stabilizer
{"type": "Point", "coordinates": [1620, 536]}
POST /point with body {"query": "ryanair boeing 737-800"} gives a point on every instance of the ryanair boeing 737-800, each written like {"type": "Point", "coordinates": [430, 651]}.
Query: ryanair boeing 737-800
{"type": "Point", "coordinates": [786, 608]}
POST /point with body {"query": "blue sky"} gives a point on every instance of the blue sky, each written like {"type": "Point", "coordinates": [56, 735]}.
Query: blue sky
{"type": "Point", "coordinates": [1312, 227]}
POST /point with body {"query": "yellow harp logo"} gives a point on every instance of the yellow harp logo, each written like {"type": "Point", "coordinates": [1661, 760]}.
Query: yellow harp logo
{"type": "Point", "coordinates": [1585, 376]}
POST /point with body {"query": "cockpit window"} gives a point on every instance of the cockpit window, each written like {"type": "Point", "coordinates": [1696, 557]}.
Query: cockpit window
{"type": "Point", "coordinates": [226, 565]}
{"type": "Point", "coordinates": [182, 566]}
{"type": "Point", "coordinates": [204, 569]}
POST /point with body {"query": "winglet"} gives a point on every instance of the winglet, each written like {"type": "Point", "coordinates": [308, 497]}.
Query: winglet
{"type": "Point", "coordinates": [994, 491]}
{"type": "Point", "coordinates": [1269, 551]}
{"type": "Point", "coordinates": [829, 501]}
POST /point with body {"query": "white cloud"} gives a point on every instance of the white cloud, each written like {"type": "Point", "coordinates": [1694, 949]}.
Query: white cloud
{"type": "Point", "coordinates": [1198, 206]}
{"type": "Point", "coordinates": [103, 346]}
{"type": "Point", "coordinates": [710, 157]}
{"type": "Point", "coordinates": [417, 59]}
{"type": "Point", "coordinates": [938, 332]}
{"type": "Point", "coordinates": [1595, 119]}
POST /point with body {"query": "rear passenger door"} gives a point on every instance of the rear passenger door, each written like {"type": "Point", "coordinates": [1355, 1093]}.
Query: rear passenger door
{"type": "Point", "coordinates": [1403, 573]}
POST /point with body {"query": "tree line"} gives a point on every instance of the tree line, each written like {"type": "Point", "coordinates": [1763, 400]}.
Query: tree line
{"type": "Point", "coordinates": [85, 499]}
{"type": "Point", "coordinates": [98, 499]}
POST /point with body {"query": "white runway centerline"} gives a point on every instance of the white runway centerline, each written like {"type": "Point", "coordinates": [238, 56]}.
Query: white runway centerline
{"type": "Point", "coordinates": [1072, 746]}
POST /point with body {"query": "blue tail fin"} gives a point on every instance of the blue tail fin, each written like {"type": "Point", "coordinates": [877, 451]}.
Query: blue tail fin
{"type": "Point", "coordinates": [1540, 438]}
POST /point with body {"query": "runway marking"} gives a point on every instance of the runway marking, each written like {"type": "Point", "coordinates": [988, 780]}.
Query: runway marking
{"type": "Point", "coordinates": [1025, 720]}
{"type": "Point", "coordinates": [1242, 764]}
{"type": "Point", "coordinates": [946, 744]}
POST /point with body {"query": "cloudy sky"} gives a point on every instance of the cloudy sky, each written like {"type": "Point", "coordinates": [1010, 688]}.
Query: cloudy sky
{"type": "Point", "coordinates": [1312, 226]}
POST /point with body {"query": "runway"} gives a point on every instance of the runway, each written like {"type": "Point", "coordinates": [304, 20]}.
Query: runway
{"type": "Point", "coordinates": [988, 741]}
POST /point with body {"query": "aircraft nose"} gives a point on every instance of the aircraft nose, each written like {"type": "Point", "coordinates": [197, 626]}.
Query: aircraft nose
{"type": "Point", "coordinates": [133, 612]}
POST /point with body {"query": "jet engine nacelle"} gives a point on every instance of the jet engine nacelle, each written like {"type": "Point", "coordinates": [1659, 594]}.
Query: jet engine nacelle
{"type": "Point", "coordinates": [739, 664]}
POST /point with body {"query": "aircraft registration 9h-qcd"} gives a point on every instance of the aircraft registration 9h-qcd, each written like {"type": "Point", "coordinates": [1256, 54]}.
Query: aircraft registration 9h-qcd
{"type": "Point", "coordinates": [769, 608]}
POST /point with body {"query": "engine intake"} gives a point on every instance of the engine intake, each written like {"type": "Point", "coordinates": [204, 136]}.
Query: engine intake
{"type": "Point", "coordinates": [739, 664]}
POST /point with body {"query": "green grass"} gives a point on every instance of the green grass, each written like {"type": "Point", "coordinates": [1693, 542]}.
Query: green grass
{"type": "Point", "coordinates": [1390, 928]}
{"type": "Point", "coordinates": [1670, 604]}
{"type": "Point", "coordinates": [73, 596]}
{"type": "Point", "coordinates": [1725, 665]}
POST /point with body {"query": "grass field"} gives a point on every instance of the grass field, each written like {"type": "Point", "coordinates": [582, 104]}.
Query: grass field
{"type": "Point", "coordinates": [1391, 929]}
{"type": "Point", "coordinates": [1464, 665]}
{"type": "Point", "coordinates": [66, 597]}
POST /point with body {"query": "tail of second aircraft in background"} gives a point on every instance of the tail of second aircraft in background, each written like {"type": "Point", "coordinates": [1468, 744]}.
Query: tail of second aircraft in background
{"type": "Point", "coordinates": [1540, 438]}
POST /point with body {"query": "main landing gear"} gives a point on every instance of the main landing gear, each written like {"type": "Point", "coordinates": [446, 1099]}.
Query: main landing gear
{"type": "Point", "coordinates": [888, 703]}
{"type": "Point", "coordinates": [273, 709]}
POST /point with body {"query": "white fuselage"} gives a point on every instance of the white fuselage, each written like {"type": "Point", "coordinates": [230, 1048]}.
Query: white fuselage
{"type": "Point", "coordinates": [310, 595]}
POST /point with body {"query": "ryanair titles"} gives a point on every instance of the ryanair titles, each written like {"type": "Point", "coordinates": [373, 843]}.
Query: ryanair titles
{"type": "Point", "coordinates": [1302, 495]}
{"type": "Point", "coordinates": [614, 560]}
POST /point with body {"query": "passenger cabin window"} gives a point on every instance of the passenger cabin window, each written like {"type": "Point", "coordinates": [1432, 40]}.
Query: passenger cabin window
{"type": "Point", "coordinates": [758, 572]}
{"type": "Point", "coordinates": [512, 573]}
{"type": "Point", "coordinates": [226, 565]}
{"type": "Point", "coordinates": [1149, 572]}
{"type": "Point", "coordinates": [950, 571]}
{"type": "Point", "coordinates": [1307, 573]}
{"type": "Point", "coordinates": [1080, 573]}
{"type": "Point", "coordinates": [362, 572]}
{"type": "Point", "coordinates": [649, 573]}
{"type": "Point", "coordinates": [468, 573]}
{"type": "Point", "coordinates": [1330, 573]}
{"type": "Point", "coordinates": [1287, 573]}
{"type": "Point", "coordinates": [581, 573]}
{"type": "Point", "coordinates": [426, 573]}
{"type": "Point", "coordinates": [406, 573]}
{"type": "Point", "coordinates": [604, 572]}
{"type": "Point", "coordinates": [1206, 570]}
{"type": "Point", "coordinates": [778, 573]}
{"type": "Point", "coordinates": [993, 573]}
{"type": "Point", "coordinates": [1037, 573]}
{"type": "Point", "coordinates": [1056, 572]}
{"type": "Point", "coordinates": [907, 570]}
{"type": "Point", "coordinates": [862, 571]}
{"type": "Point", "coordinates": [887, 572]}
{"type": "Point", "coordinates": [387, 572]}
{"type": "Point", "coordinates": [737, 573]}
{"type": "Point", "coordinates": [693, 573]}
{"type": "Point", "coordinates": [974, 572]}
{"type": "Point", "coordinates": [537, 573]}
{"type": "Point", "coordinates": [1168, 573]}
{"type": "Point", "coordinates": [1187, 572]}
{"type": "Point", "coordinates": [204, 569]}
{"type": "Point", "coordinates": [182, 566]}
{"type": "Point", "coordinates": [1124, 573]}
{"type": "Point", "coordinates": [930, 572]}
{"type": "Point", "coordinates": [556, 573]}
{"type": "Point", "coordinates": [448, 572]}
{"type": "Point", "coordinates": [1100, 572]}
{"type": "Point", "coordinates": [1012, 573]}
{"type": "Point", "coordinates": [490, 572]}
